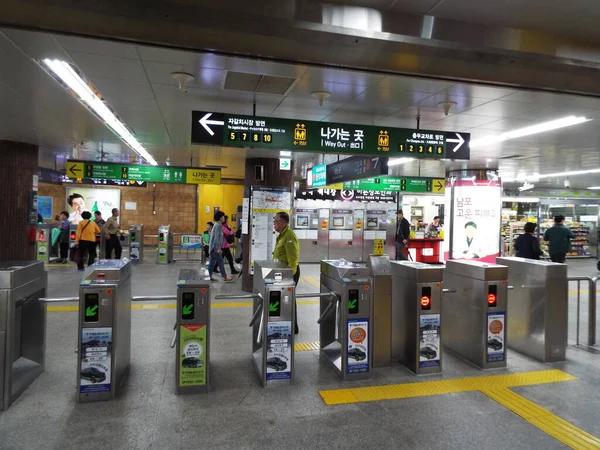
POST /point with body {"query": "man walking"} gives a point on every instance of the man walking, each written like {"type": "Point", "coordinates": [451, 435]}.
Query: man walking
{"type": "Point", "coordinates": [111, 231]}
{"type": "Point", "coordinates": [402, 235]}
{"type": "Point", "coordinates": [287, 249]}
{"type": "Point", "coordinates": [559, 240]}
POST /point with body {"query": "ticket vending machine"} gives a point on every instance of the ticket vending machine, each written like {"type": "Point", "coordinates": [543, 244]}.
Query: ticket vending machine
{"type": "Point", "coordinates": [416, 316]}
{"type": "Point", "coordinates": [345, 325]}
{"type": "Point", "coordinates": [310, 227]}
{"type": "Point", "coordinates": [192, 358]}
{"type": "Point", "coordinates": [375, 227]}
{"type": "Point", "coordinates": [104, 343]}
{"type": "Point", "coordinates": [136, 243]}
{"type": "Point", "coordinates": [474, 313]}
{"type": "Point", "coordinates": [164, 253]}
{"type": "Point", "coordinates": [273, 323]}
{"type": "Point", "coordinates": [346, 234]}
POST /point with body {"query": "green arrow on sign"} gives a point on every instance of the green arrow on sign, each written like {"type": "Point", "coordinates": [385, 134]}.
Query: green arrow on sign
{"type": "Point", "coordinates": [352, 304]}
{"type": "Point", "coordinates": [273, 306]}
{"type": "Point", "coordinates": [187, 309]}
{"type": "Point", "coordinates": [91, 310]}
{"type": "Point", "coordinates": [285, 164]}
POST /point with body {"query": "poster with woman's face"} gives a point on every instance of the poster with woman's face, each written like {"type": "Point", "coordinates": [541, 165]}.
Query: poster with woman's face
{"type": "Point", "coordinates": [91, 199]}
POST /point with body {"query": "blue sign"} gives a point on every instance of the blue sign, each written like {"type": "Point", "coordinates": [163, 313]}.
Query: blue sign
{"type": "Point", "coordinates": [45, 207]}
{"type": "Point", "coordinates": [319, 175]}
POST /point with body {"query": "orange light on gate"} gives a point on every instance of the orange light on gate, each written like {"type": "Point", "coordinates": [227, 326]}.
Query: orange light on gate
{"type": "Point", "coordinates": [492, 299]}
{"type": "Point", "coordinates": [425, 302]}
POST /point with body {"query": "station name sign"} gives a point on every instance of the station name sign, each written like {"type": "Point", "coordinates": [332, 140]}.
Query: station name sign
{"type": "Point", "coordinates": [131, 173]}
{"type": "Point", "coordinates": [302, 135]}
{"type": "Point", "coordinates": [399, 184]}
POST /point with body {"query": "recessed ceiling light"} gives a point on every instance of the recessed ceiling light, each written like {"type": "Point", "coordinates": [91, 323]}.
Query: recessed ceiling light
{"type": "Point", "coordinates": [527, 131]}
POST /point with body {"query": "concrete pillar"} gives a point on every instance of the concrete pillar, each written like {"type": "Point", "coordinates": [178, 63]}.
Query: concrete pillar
{"type": "Point", "coordinates": [18, 165]}
{"type": "Point", "coordinates": [273, 177]}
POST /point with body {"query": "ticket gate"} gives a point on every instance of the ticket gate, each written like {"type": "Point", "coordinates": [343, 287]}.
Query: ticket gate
{"type": "Point", "coordinates": [136, 243]}
{"type": "Point", "coordinates": [416, 316]}
{"type": "Point", "coordinates": [273, 323]}
{"type": "Point", "coordinates": [538, 308]}
{"type": "Point", "coordinates": [104, 340]}
{"type": "Point", "coordinates": [43, 242]}
{"type": "Point", "coordinates": [164, 252]}
{"type": "Point", "coordinates": [22, 327]}
{"type": "Point", "coordinates": [192, 358]}
{"type": "Point", "coordinates": [474, 316]}
{"type": "Point", "coordinates": [345, 324]}
{"type": "Point", "coordinates": [381, 279]}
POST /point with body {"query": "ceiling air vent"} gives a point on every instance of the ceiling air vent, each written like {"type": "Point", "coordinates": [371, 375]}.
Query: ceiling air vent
{"type": "Point", "coordinates": [261, 84]}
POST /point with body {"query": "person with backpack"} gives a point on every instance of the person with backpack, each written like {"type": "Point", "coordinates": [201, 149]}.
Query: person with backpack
{"type": "Point", "coordinates": [527, 245]}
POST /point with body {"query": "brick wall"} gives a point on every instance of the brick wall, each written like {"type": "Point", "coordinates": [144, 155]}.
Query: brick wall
{"type": "Point", "coordinates": [176, 204]}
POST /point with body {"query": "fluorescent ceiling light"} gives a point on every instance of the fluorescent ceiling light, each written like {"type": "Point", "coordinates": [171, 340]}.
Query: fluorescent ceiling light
{"type": "Point", "coordinates": [594, 188]}
{"type": "Point", "coordinates": [88, 97]}
{"type": "Point", "coordinates": [398, 161]}
{"type": "Point", "coordinates": [538, 176]}
{"type": "Point", "coordinates": [527, 131]}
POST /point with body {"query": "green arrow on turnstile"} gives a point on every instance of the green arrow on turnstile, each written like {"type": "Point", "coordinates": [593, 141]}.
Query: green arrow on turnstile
{"type": "Point", "coordinates": [187, 309]}
{"type": "Point", "coordinates": [91, 310]}
{"type": "Point", "coordinates": [352, 304]}
{"type": "Point", "coordinates": [273, 306]}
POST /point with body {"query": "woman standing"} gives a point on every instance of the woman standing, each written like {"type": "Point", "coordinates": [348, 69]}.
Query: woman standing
{"type": "Point", "coordinates": [527, 245]}
{"type": "Point", "coordinates": [86, 239]}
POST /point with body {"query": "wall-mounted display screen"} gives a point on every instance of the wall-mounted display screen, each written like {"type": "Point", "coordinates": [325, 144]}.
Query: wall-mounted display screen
{"type": "Point", "coordinates": [301, 221]}
{"type": "Point", "coordinates": [338, 221]}
{"type": "Point", "coordinates": [372, 222]}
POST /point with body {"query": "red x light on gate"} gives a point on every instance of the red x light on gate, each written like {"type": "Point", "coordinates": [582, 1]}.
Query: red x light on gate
{"type": "Point", "coordinates": [492, 296]}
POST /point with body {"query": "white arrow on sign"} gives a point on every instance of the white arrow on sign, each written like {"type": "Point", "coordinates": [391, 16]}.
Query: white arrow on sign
{"type": "Point", "coordinates": [460, 142]}
{"type": "Point", "coordinates": [205, 123]}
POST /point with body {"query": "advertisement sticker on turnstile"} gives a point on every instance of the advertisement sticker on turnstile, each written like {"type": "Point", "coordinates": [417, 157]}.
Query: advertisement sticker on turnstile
{"type": "Point", "coordinates": [496, 327]}
{"type": "Point", "coordinates": [96, 351]}
{"type": "Point", "coordinates": [358, 346]}
{"type": "Point", "coordinates": [429, 335]}
{"type": "Point", "coordinates": [279, 350]}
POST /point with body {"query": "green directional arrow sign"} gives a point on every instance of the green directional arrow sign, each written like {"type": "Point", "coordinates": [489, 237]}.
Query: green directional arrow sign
{"type": "Point", "coordinates": [352, 304]}
{"type": "Point", "coordinates": [187, 310]}
{"type": "Point", "coordinates": [91, 310]}
{"type": "Point", "coordinates": [273, 306]}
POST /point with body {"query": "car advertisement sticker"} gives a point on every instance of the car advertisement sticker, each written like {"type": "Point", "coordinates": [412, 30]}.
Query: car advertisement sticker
{"type": "Point", "coordinates": [279, 350]}
{"type": "Point", "coordinates": [429, 340]}
{"type": "Point", "coordinates": [192, 359]}
{"type": "Point", "coordinates": [496, 332]}
{"type": "Point", "coordinates": [95, 353]}
{"type": "Point", "coordinates": [358, 346]}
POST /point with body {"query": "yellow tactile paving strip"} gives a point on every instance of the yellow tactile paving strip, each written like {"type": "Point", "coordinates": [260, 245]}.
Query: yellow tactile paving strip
{"type": "Point", "coordinates": [495, 387]}
{"type": "Point", "coordinates": [306, 346]}
{"type": "Point", "coordinates": [428, 388]}
{"type": "Point", "coordinates": [311, 280]}
{"type": "Point", "coordinates": [550, 423]}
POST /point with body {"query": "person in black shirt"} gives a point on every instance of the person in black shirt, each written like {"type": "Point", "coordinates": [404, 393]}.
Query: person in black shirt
{"type": "Point", "coordinates": [402, 235]}
{"type": "Point", "coordinates": [527, 245]}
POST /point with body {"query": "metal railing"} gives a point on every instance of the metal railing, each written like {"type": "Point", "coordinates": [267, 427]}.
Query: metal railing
{"type": "Point", "coordinates": [137, 298]}
{"type": "Point", "coordinates": [592, 287]}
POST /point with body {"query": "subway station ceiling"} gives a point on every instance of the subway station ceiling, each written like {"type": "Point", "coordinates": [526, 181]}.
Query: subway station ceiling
{"type": "Point", "coordinates": [136, 82]}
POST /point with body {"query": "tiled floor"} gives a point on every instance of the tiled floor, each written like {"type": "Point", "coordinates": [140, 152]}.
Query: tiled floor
{"type": "Point", "coordinates": [239, 414]}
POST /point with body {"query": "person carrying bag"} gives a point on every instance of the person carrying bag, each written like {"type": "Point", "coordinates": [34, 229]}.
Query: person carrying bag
{"type": "Point", "coordinates": [86, 240]}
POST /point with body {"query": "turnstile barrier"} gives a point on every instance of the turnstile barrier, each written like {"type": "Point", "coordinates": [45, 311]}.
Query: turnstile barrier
{"type": "Point", "coordinates": [381, 278]}
{"type": "Point", "coordinates": [43, 242]}
{"type": "Point", "coordinates": [192, 358]}
{"type": "Point", "coordinates": [273, 323]}
{"type": "Point", "coordinates": [104, 340]}
{"type": "Point", "coordinates": [538, 308]}
{"type": "Point", "coordinates": [475, 316]}
{"type": "Point", "coordinates": [346, 335]}
{"type": "Point", "coordinates": [22, 327]}
{"type": "Point", "coordinates": [136, 243]}
{"type": "Point", "coordinates": [417, 316]}
{"type": "Point", "coordinates": [164, 253]}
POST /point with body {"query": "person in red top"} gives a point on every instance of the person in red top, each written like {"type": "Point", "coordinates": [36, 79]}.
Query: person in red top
{"type": "Point", "coordinates": [228, 237]}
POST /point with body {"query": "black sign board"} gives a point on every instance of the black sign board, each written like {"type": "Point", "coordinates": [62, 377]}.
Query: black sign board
{"type": "Point", "coordinates": [50, 176]}
{"type": "Point", "coordinates": [347, 195]}
{"type": "Point", "coordinates": [355, 168]}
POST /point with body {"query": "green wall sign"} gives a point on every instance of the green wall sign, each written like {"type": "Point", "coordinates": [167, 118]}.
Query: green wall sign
{"type": "Point", "coordinates": [303, 135]}
{"type": "Point", "coordinates": [399, 184]}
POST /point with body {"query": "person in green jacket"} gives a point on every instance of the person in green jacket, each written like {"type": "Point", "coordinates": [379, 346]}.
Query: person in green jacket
{"type": "Point", "coordinates": [559, 240]}
{"type": "Point", "coordinates": [287, 249]}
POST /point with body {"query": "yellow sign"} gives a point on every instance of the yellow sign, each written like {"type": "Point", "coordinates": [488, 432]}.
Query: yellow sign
{"type": "Point", "coordinates": [383, 141]}
{"type": "Point", "coordinates": [300, 132]}
{"type": "Point", "coordinates": [203, 176]}
{"type": "Point", "coordinates": [75, 170]}
{"type": "Point", "coordinates": [438, 186]}
{"type": "Point", "coordinates": [378, 247]}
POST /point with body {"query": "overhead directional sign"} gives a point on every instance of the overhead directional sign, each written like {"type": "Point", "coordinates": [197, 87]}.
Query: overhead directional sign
{"type": "Point", "coordinates": [285, 164]}
{"type": "Point", "coordinates": [301, 135]}
{"type": "Point", "coordinates": [356, 167]}
{"type": "Point", "coordinates": [399, 184]}
{"type": "Point", "coordinates": [133, 174]}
